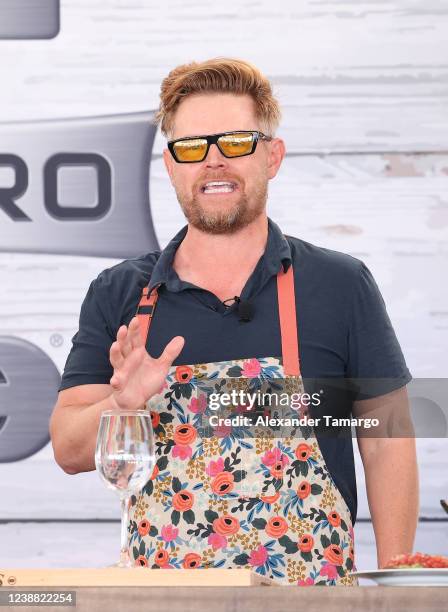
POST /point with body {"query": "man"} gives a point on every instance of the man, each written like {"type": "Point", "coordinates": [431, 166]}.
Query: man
{"type": "Point", "coordinates": [235, 301]}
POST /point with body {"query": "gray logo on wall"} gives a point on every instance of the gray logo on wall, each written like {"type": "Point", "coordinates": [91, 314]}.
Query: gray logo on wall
{"type": "Point", "coordinates": [28, 383]}
{"type": "Point", "coordinates": [77, 186]}
{"type": "Point", "coordinates": [29, 18]}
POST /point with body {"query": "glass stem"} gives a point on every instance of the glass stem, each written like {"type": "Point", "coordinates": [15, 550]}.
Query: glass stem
{"type": "Point", "coordinates": [124, 553]}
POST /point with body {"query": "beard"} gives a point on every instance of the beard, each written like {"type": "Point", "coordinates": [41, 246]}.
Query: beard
{"type": "Point", "coordinates": [229, 221]}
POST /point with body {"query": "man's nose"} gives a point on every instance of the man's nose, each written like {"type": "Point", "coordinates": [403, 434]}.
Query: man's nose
{"type": "Point", "coordinates": [214, 157]}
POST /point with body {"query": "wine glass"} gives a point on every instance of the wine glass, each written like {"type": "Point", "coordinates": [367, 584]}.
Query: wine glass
{"type": "Point", "coordinates": [125, 458]}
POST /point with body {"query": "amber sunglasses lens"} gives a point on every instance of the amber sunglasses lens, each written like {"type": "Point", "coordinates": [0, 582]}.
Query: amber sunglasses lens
{"type": "Point", "coordinates": [234, 145]}
{"type": "Point", "coordinates": [190, 150]}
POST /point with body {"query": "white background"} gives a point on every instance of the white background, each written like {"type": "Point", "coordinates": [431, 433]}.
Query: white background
{"type": "Point", "coordinates": [364, 91]}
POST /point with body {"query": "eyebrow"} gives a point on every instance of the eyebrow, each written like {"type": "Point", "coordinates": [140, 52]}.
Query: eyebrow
{"type": "Point", "coordinates": [214, 134]}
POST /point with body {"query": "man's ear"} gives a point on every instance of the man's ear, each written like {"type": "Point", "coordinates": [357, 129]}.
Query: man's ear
{"type": "Point", "coordinates": [277, 152]}
{"type": "Point", "coordinates": [168, 161]}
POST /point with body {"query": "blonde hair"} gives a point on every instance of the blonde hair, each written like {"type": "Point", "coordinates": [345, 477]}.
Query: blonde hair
{"type": "Point", "coordinates": [218, 75]}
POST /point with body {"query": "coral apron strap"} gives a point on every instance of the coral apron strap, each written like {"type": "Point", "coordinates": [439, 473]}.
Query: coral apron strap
{"type": "Point", "coordinates": [288, 322]}
{"type": "Point", "coordinates": [145, 311]}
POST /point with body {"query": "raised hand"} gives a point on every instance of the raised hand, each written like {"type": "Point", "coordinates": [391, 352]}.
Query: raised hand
{"type": "Point", "coordinates": [138, 376]}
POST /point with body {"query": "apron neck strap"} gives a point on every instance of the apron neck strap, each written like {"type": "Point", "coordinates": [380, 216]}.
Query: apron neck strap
{"type": "Point", "coordinates": [287, 316]}
{"type": "Point", "coordinates": [145, 311]}
{"type": "Point", "coordinates": [288, 322]}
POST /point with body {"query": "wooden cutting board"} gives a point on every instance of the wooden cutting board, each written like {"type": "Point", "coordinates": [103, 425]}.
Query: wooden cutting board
{"type": "Point", "coordinates": [135, 576]}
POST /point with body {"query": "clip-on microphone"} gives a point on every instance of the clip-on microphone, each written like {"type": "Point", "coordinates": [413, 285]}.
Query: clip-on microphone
{"type": "Point", "coordinates": [245, 308]}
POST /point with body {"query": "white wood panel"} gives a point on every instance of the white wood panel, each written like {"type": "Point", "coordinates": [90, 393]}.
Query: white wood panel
{"type": "Point", "coordinates": [397, 225]}
{"type": "Point", "coordinates": [433, 478]}
{"type": "Point", "coordinates": [356, 209]}
{"type": "Point", "coordinates": [368, 75]}
{"type": "Point", "coordinates": [352, 76]}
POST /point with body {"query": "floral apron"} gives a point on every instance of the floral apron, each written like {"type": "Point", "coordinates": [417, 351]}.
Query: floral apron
{"type": "Point", "coordinates": [237, 498]}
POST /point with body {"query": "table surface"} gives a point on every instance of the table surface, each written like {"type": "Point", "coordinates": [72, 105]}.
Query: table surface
{"type": "Point", "coordinates": [253, 599]}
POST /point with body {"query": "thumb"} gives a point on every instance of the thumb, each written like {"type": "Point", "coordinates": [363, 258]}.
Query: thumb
{"type": "Point", "coordinates": [172, 350]}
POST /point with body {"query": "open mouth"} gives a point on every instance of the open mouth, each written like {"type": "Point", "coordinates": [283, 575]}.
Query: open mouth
{"type": "Point", "coordinates": [212, 187]}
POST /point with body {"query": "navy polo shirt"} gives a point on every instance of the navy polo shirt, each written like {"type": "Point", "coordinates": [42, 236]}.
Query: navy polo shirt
{"type": "Point", "coordinates": [343, 326]}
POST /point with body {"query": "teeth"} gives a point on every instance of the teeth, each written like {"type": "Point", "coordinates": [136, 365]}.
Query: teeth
{"type": "Point", "coordinates": [219, 187]}
{"type": "Point", "coordinates": [226, 189]}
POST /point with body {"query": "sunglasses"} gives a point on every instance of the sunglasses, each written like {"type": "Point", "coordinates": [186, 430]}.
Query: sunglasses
{"type": "Point", "coordinates": [231, 144]}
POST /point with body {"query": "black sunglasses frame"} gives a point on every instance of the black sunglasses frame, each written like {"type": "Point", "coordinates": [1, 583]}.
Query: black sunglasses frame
{"type": "Point", "coordinates": [214, 139]}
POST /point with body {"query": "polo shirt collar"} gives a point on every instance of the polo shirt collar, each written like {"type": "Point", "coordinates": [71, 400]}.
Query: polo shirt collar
{"type": "Point", "coordinates": [278, 250]}
{"type": "Point", "coordinates": [163, 271]}
{"type": "Point", "coordinates": [277, 254]}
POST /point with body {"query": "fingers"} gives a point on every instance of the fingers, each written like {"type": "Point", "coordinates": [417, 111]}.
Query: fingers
{"type": "Point", "coordinates": [134, 333]}
{"type": "Point", "coordinates": [116, 357]}
{"type": "Point", "coordinates": [171, 351]}
{"type": "Point", "coordinates": [122, 375]}
{"type": "Point", "coordinates": [128, 339]}
{"type": "Point", "coordinates": [123, 345]}
{"type": "Point", "coordinates": [123, 340]}
{"type": "Point", "coordinates": [115, 382]}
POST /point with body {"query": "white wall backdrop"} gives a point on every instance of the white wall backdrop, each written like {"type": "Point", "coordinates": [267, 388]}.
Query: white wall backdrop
{"type": "Point", "coordinates": [364, 91]}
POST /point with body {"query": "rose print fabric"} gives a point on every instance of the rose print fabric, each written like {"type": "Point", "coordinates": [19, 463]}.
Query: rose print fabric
{"type": "Point", "coordinates": [236, 497]}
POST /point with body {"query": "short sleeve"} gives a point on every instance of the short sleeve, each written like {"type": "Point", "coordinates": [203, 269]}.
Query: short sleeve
{"type": "Point", "coordinates": [376, 364]}
{"type": "Point", "coordinates": [88, 360]}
